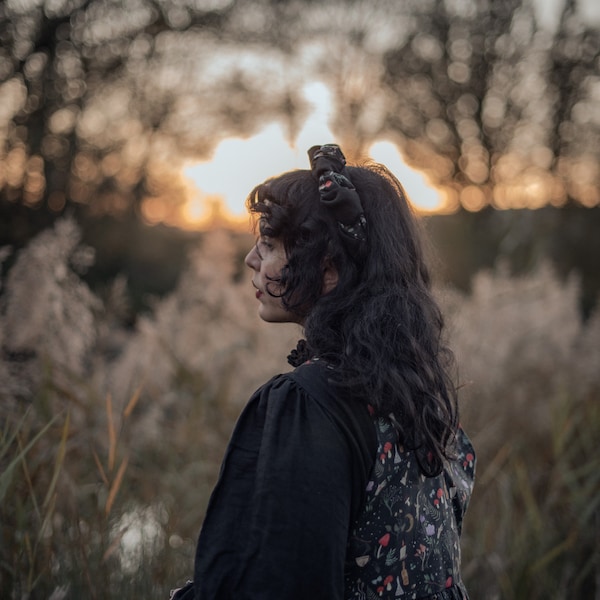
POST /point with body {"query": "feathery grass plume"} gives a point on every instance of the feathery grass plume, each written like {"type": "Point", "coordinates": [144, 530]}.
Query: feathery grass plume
{"type": "Point", "coordinates": [186, 351]}
{"type": "Point", "coordinates": [157, 403]}
{"type": "Point", "coordinates": [47, 312]}
{"type": "Point", "coordinates": [530, 403]}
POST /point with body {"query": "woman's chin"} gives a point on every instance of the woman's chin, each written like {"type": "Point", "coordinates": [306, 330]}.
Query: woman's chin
{"type": "Point", "coordinates": [269, 315]}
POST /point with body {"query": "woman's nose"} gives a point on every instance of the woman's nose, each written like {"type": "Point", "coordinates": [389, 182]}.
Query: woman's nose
{"type": "Point", "coordinates": [252, 259]}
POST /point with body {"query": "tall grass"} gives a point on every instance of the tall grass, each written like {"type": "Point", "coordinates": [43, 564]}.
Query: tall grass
{"type": "Point", "coordinates": [110, 439]}
{"type": "Point", "coordinates": [531, 372]}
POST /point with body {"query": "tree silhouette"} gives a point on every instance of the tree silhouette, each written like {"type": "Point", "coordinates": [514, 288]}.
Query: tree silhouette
{"type": "Point", "coordinates": [98, 95]}
{"type": "Point", "coordinates": [101, 101]}
{"type": "Point", "coordinates": [499, 110]}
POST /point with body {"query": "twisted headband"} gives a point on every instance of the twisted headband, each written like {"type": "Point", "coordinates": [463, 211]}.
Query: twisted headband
{"type": "Point", "coordinates": [338, 195]}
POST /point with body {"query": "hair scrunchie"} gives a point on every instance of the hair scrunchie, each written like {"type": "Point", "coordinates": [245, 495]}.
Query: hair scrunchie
{"type": "Point", "coordinates": [338, 195]}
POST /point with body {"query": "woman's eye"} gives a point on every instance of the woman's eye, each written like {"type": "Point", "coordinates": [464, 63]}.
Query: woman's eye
{"type": "Point", "coordinates": [263, 245]}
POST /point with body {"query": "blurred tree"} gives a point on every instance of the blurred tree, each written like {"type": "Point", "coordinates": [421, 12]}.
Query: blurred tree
{"type": "Point", "coordinates": [499, 108]}
{"type": "Point", "coordinates": [101, 101]}
{"type": "Point", "coordinates": [498, 103]}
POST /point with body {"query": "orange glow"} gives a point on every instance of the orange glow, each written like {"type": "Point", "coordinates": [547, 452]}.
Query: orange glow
{"type": "Point", "coordinates": [421, 193]}
{"type": "Point", "coordinates": [218, 188]}
{"type": "Point", "coordinates": [236, 167]}
{"type": "Point", "coordinates": [472, 198]}
{"type": "Point", "coordinates": [154, 210]}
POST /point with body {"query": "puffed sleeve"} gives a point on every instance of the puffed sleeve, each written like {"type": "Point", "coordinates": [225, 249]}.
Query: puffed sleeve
{"type": "Point", "coordinates": [291, 482]}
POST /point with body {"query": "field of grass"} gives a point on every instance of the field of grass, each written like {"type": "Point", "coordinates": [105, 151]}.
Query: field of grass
{"type": "Point", "coordinates": [111, 437]}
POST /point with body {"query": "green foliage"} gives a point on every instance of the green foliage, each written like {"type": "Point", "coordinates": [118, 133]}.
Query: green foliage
{"type": "Point", "coordinates": [7, 440]}
{"type": "Point", "coordinates": [112, 438]}
{"type": "Point", "coordinates": [532, 530]}
{"type": "Point", "coordinates": [530, 402]}
{"type": "Point", "coordinates": [76, 520]}
{"type": "Point", "coordinates": [107, 459]}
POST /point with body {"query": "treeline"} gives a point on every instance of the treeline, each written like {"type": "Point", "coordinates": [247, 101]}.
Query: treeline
{"type": "Point", "coordinates": [101, 103]}
{"type": "Point", "coordinates": [151, 258]}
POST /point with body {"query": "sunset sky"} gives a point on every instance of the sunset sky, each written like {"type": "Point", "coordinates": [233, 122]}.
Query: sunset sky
{"type": "Point", "coordinates": [239, 164]}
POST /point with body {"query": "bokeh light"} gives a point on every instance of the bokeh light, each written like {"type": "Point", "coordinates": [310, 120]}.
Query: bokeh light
{"type": "Point", "coordinates": [421, 193]}
{"type": "Point", "coordinates": [219, 186]}
{"type": "Point", "coordinates": [493, 104]}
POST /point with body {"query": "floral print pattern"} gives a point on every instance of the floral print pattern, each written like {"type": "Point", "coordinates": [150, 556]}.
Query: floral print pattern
{"type": "Point", "coordinates": [406, 542]}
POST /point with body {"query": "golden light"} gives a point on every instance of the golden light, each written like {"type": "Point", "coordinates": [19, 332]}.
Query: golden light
{"type": "Point", "coordinates": [421, 193]}
{"type": "Point", "coordinates": [236, 167]}
{"type": "Point", "coordinates": [195, 210]}
{"type": "Point", "coordinates": [472, 198]}
{"type": "Point", "coordinates": [220, 186]}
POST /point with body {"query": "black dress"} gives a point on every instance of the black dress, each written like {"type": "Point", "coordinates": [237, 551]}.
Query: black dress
{"type": "Point", "coordinates": [315, 500]}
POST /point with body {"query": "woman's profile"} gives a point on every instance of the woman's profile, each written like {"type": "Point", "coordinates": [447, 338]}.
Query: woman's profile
{"type": "Point", "coordinates": [347, 477]}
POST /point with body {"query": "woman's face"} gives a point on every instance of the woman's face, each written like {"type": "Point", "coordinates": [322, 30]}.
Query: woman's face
{"type": "Point", "coordinates": [266, 259]}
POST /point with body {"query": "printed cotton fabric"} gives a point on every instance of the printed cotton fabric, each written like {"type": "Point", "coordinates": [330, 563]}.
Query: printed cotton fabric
{"type": "Point", "coordinates": [406, 541]}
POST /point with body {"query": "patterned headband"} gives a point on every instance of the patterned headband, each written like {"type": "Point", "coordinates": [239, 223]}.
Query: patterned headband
{"type": "Point", "coordinates": [338, 195]}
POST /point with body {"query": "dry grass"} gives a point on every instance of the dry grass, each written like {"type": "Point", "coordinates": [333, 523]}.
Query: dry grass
{"type": "Point", "coordinates": [111, 439]}
{"type": "Point", "coordinates": [531, 405]}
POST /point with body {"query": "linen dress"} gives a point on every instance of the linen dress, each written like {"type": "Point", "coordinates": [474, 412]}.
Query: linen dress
{"type": "Point", "coordinates": [317, 500]}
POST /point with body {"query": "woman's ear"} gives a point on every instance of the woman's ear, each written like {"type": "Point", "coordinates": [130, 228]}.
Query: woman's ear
{"type": "Point", "coordinates": [330, 276]}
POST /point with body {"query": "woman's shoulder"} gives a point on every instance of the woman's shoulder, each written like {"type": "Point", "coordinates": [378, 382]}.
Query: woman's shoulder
{"type": "Point", "coordinates": [311, 390]}
{"type": "Point", "coordinates": [315, 382]}
{"type": "Point", "coordinates": [314, 377]}
{"type": "Point", "coordinates": [308, 383]}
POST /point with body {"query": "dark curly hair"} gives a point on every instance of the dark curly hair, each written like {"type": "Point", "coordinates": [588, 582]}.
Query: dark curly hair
{"type": "Point", "coordinates": [380, 327]}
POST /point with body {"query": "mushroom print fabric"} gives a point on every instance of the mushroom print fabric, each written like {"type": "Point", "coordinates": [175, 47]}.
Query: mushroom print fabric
{"type": "Point", "coordinates": [406, 542]}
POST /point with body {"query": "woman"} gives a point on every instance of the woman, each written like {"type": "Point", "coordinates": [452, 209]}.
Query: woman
{"type": "Point", "coordinates": [349, 476]}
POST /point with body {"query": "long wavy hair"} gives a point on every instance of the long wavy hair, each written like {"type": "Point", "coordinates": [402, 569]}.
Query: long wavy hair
{"type": "Point", "coordinates": [380, 327]}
